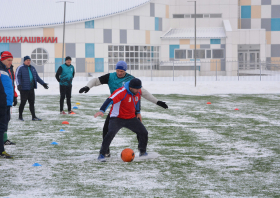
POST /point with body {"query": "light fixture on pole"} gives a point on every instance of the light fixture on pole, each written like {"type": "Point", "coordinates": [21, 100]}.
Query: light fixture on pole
{"type": "Point", "coordinates": [64, 25]}
{"type": "Point", "coordinates": [194, 42]}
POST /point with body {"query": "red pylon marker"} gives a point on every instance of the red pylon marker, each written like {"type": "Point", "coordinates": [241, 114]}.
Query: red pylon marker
{"type": "Point", "coordinates": [65, 122]}
{"type": "Point", "coordinates": [208, 103]}
{"type": "Point", "coordinates": [236, 109]}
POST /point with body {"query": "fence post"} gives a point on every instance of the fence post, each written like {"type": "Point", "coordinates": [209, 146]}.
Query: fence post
{"type": "Point", "coordinates": [216, 71]}
{"type": "Point", "coordinates": [151, 69]}
{"type": "Point", "coordinates": [108, 67]}
{"type": "Point", "coordinates": [86, 69]}
{"type": "Point", "coordinates": [238, 69]}
{"type": "Point", "coordinates": [260, 72]}
{"type": "Point", "coordinates": [173, 70]}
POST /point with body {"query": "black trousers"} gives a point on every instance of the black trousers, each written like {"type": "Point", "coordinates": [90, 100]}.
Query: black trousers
{"type": "Point", "coordinates": [65, 91]}
{"type": "Point", "coordinates": [115, 124]}
{"type": "Point", "coordinates": [3, 112]}
{"type": "Point", "coordinates": [106, 128]}
{"type": "Point", "coordinates": [27, 95]}
{"type": "Point", "coordinates": [7, 118]}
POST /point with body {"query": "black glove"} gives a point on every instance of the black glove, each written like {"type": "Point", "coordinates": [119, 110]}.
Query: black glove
{"type": "Point", "coordinates": [19, 87]}
{"type": "Point", "coordinates": [45, 85]}
{"type": "Point", "coordinates": [84, 89]}
{"type": "Point", "coordinates": [15, 101]}
{"type": "Point", "coordinates": [162, 104]}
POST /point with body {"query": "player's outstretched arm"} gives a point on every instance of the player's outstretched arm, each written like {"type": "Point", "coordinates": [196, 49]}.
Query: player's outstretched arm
{"type": "Point", "coordinates": [92, 83]}
{"type": "Point", "coordinates": [104, 107]}
{"type": "Point", "coordinates": [148, 96]}
{"type": "Point", "coordinates": [95, 82]}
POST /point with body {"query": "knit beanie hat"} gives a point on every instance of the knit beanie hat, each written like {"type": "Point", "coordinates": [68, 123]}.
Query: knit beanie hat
{"type": "Point", "coordinates": [121, 65]}
{"type": "Point", "coordinates": [5, 55]}
{"type": "Point", "coordinates": [68, 58]}
{"type": "Point", "coordinates": [135, 83]}
{"type": "Point", "coordinates": [26, 58]}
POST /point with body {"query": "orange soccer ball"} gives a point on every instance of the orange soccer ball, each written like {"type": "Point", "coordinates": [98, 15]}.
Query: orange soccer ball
{"type": "Point", "coordinates": [127, 155]}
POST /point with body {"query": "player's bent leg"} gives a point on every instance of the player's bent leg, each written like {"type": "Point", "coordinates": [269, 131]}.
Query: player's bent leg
{"type": "Point", "coordinates": [137, 127]}
{"type": "Point", "coordinates": [115, 125]}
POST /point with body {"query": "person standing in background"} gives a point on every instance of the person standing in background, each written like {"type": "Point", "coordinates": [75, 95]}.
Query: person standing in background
{"type": "Point", "coordinates": [26, 79]}
{"type": "Point", "coordinates": [64, 76]}
{"type": "Point", "coordinates": [12, 76]}
{"type": "Point", "coordinates": [6, 98]}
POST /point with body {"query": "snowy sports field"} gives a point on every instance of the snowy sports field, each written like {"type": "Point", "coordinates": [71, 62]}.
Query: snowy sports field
{"type": "Point", "coordinates": [196, 149]}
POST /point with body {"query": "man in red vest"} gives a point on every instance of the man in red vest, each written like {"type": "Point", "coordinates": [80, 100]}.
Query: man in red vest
{"type": "Point", "coordinates": [126, 101]}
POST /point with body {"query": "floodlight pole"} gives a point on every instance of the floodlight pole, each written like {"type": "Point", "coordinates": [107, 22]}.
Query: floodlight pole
{"type": "Point", "coordinates": [194, 42]}
{"type": "Point", "coordinates": [63, 31]}
{"type": "Point", "coordinates": [64, 27]}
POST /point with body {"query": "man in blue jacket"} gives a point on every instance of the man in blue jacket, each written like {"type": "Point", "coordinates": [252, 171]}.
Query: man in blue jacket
{"type": "Point", "coordinates": [64, 76]}
{"type": "Point", "coordinates": [6, 98]}
{"type": "Point", "coordinates": [26, 79]}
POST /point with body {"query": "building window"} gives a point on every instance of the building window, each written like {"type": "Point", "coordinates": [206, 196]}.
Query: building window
{"type": "Point", "coordinates": [203, 15]}
{"type": "Point", "coordinates": [180, 54]}
{"type": "Point", "coordinates": [197, 15]}
{"type": "Point", "coordinates": [208, 53]}
{"type": "Point", "coordinates": [189, 53]}
{"type": "Point", "coordinates": [218, 53]}
{"type": "Point", "coordinates": [39, 56]}
{"type": "Point", "coordinates": [136, 57]}
{"type": "Point", "coordinates": [178, 16]}
{"type": "Point", "coordinates": [89, 24]}
{"type": "Point", "coordinates": [200, 53]}
{"type": "Point", "coordinates": [215, 15]}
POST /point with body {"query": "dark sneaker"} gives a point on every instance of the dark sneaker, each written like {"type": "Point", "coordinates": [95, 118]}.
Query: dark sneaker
{"type": "Point", "coordinates": [5, 155]}
{"type": "Point", "coordinates": [21, 119]}
{"type": "Point", "coordinates": [143, 154]}
{"type": "Point", "coordinates": [101, 158]}
{"type": "Point", "coordinates": [107, 155]}
{"type": "Point", "coordinates": [71, 112]}
{"type": "Point", "coordinates": [36, 119]}
{"type": "Point", "coordinates": [8, 142]}
{"type": "Point", "coordinates": [62, 112]}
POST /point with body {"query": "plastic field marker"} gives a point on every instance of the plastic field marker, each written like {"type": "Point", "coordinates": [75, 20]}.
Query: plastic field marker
{"type": "Point", "coordinates": [36, 164]}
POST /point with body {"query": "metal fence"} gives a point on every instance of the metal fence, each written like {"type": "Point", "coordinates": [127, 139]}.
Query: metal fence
{"type": "Point", "coordinates": [214, 70]}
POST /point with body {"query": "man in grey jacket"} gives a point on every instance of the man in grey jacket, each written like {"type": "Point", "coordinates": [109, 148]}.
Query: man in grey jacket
{"type": "Point", "coordinates": [116, 80]}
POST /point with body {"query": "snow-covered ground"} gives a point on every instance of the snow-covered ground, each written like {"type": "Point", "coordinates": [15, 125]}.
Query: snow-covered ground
{"type": "Point", "coordinates": [180, 87]}
{"type": "Point", "coordinates": [196, 149]}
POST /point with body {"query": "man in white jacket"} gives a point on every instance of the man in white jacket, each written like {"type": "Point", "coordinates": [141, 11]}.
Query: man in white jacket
{"type": "Point", "coordinates": [116, 80]}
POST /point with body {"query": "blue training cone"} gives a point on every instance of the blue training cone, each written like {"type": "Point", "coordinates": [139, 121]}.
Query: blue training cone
{"type": "Point", "coordinates": [54, 143]}
{"type": "Point", "coordinates": [75, 107]}
{"type": "Point", "coordinates": [61, 130]}
{"type": "Point", "coordinates": [36, 164]}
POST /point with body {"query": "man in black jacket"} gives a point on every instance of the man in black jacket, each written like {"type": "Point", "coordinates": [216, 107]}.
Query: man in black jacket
{"type": "Point", "coordinates": [27, 78]}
